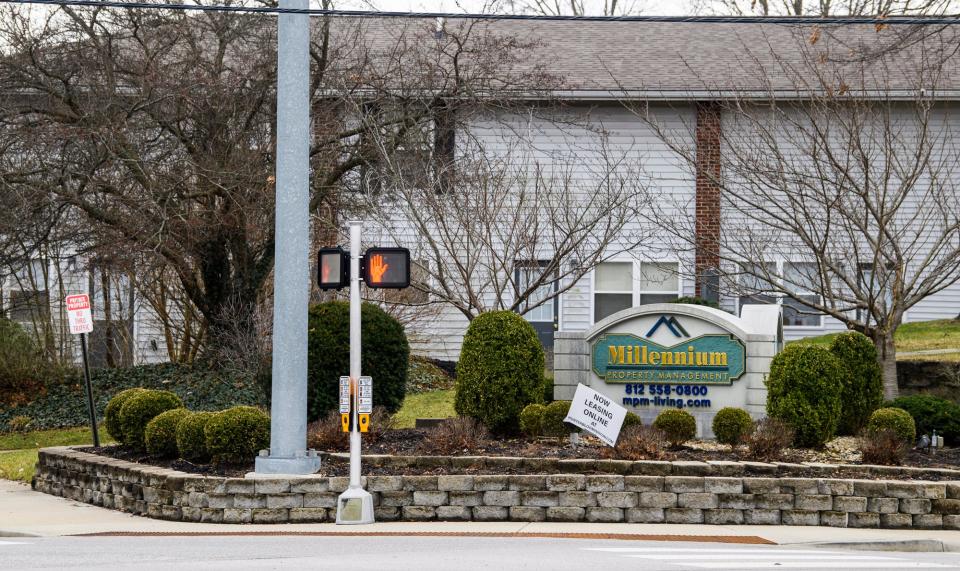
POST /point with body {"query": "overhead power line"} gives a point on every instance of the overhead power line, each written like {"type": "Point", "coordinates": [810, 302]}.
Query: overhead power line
{"type": "Point", "coordinates": [843, 20]}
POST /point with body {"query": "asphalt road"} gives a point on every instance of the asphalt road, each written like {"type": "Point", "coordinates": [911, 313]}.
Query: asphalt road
{"type": "Point", "coordinates": [433, 553]}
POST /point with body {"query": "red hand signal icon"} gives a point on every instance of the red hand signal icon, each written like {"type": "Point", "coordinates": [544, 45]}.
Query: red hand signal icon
{"type": "Point", "coordinates": [377, 268]}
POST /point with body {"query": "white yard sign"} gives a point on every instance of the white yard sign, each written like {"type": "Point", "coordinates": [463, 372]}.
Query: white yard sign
{"type": "Point", "coordinates": [597, 414]}
{"type": "Point", "coordinates": [78, 314]}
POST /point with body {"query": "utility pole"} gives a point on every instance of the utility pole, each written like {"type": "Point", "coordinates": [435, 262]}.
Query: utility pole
{"type": "Point", "coordinates": [288, 452]}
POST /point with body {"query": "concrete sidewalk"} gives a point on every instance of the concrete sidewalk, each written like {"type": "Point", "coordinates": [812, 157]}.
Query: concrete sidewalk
{"type": "Point", "coordinates": [24, 512]}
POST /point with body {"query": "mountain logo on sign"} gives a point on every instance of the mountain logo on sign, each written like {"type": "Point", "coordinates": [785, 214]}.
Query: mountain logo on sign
{"type": "Point", "coordinates": [672, 324]}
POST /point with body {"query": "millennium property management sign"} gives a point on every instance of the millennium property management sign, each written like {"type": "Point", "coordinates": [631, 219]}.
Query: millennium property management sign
{"type": "Point", "coordinates": [673, 355]}
{"type": "Point", "coordinates": [716, 359]}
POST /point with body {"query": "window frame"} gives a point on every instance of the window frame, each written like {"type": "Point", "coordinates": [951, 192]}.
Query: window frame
{"type": "Point", "coordinates": [636, 294]}
{"type": "Point", "coordinates": [779, 297]}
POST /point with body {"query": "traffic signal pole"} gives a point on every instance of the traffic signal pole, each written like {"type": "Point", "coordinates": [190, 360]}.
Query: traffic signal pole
{"type": "Point", "coordinates": [355, 505]}
{"type": "Point", "coordinates": [288, 408]}
{"type": "Point", "coordinates": [355, 277]}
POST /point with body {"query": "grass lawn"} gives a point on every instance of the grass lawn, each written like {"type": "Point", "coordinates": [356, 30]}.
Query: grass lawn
{"type": "Point", "coordinates": [940, 334]}
{"type": "Point", "coordinates": [18, 452]}
{"type": "Point", "coordinates": [433, 404]}
{"type": "Point", "coordinates": [919, 336]}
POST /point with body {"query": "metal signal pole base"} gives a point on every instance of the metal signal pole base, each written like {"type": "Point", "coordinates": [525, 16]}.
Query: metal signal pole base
{"type": "Point", "coordinates": [355, 507]}
{"type": "Point", "coordinates": [304, 465]}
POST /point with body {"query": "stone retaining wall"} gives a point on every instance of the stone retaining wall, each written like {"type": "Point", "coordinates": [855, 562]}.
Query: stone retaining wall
{"type": "Point", "coordinates": [173, 495]}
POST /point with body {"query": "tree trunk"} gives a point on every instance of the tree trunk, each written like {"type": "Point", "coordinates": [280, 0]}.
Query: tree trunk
{"type": "Point", "coordinates": [887, 356]}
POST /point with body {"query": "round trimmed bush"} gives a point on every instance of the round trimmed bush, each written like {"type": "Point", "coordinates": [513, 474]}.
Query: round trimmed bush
{"type": "Point", "coordinates": [111, 414]}
{"type": "Point", "coordinates": [731, 424]}
{"type": "Point", "coordinates": [895, 419]}
{"type": "Point", "coordinates": [531, 420]}
{"type": "Point", "coordinates": [140, 409]}
{"type": "Point", "coordinates": [863, 394]}
{"type": "Point", "coordinates": [678, 426]}
{"type": "Point", "coordinates": [160, 435]}
{"type": "Point", "coordinates": [933, 413]}
{"type": "Point", "coordinates": [385, 355]}
{"type": "Point", "coordinates": [630, 419]}
{"type": "Point", "coordinates": [191, 441]}
{"type": "Point", "coordinates": [553, 415]}
{"type": "Point", "coordinates": [500, 370]}
{"type": "Point", "coordinates": [237, 434]}
{"type": "Point", "coordinates": [803, 390]}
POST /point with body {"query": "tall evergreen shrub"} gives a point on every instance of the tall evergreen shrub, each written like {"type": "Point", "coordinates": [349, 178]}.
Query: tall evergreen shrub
{"type": "Point", "coordinates": [804, 390]}
{"type": "Point", "coordinates": [863, 392]}
{"type": "Point", "coordinates": [500, 370]}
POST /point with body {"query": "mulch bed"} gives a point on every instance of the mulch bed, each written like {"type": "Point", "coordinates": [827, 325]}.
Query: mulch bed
{"type": "Point", "coordinates": [414, 442]}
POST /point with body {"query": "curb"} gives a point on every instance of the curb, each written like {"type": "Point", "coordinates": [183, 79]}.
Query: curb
{"type": "Point", "coordinates": [12, 533]}
{"type": "Point", "coordinates": [911, 546]}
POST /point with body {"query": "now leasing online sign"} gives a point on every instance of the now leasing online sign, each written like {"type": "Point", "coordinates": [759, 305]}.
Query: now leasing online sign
{"type": "Point", "coordinates": [597, 414]}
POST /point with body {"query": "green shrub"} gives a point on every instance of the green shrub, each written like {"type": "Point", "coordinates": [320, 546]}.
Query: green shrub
{"type": "Point", "coordinates": [385, 356]}
{"type": "Point", "coordinates": [237, 434]}
{"type": "Point", "coordinates": [21, 361]}
{"type": "Point", "coordinates": [677, 425]}
{"type": "Point", "coordinates": [111, 415]}
{"type": "Point", "coordinates": [139, 409]}
{"type": "Point", "coordinates": [863, 394]}
{"type": "Point", "coordinates": [191, 441]}
{"type": "Point", "coordinates": [731, 424]}
{"type": "Point", "coordinates": [629, 420]}
{"type": "Point", "coordinates": [160, 435]}
{"type": "Point", "coordinates": [804, 389]}
{"type": "Point", "coordinates": [531, 420]}
{"type": "Point", "coordinates": [547, 389]}
{"type": "Point", "coordinates": [500, 370]}
{"type": "Point", "coordinates": [553, 415]}
{"type": "Point", "coordinates": [693, 300]}
{"type": "Point", "coordinates": [933, 413]}
{"type": "Point", "coordinates": [895, 419]}
{"type": "Point", "coordinates": [200, 385]}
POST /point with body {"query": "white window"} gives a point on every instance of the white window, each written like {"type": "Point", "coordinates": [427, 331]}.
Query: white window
{"type": "Point", "coordinates": [615, 288]}
{"type": "Point", "coordinates": [526, 274]}
{"type": "Point", "coordinates": [29, 294]}
{"type": "Point", "coordinates": [612, 289]}
{"type": "Point", "coordinates": [659, 282]}
{"type": "Point", "coordinates": [799, 278]}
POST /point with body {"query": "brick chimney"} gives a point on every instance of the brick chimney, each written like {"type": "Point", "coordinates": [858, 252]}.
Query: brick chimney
{"type": "Point", "coordinates": [707, 255]}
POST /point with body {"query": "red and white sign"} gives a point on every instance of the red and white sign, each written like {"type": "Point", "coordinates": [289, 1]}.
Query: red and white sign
{"type": "Point", "coordinates": [78, 313]}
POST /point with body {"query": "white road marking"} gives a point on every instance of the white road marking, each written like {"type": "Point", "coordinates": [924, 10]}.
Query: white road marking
{"type": "Point", "coordinates": [811, 564]}
{"type": "Point", "coordinates": [768, 558]}
{"type": "Point", "coordinates": [13, 542]}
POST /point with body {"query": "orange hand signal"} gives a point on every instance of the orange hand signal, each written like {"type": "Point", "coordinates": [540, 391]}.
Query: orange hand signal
{"type": "Point", "coordinates": [378, 268]}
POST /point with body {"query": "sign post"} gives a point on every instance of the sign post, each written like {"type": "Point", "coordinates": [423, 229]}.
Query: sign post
{"type": "Point", "coordinates": [355, 505]}
{"type": "Point", "coordinates": [81, 323]}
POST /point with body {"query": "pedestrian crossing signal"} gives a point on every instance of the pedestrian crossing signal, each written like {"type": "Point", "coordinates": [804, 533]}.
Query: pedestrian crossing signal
{"type": "Point", "coordinates": [387, 268]}
{"type": "Point", "coordinates": [333, 268]}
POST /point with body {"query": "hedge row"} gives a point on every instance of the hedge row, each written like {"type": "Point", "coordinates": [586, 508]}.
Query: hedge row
{"type": "Point", "coordinates": [156, 422]}
{"type": "Point", "coordinates": [199, 386]}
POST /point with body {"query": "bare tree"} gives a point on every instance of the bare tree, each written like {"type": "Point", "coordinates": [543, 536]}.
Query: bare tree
{"type": "Point", "coordinates": [823, 7]}
{"type": "Point", "coordinates": [839, 193]}
{"type": "Point", "coordinates": [505, 226]}
{"type": "Point", "coordinates": [570, 7]}
{"type": "Point", "coordinates": [156, 128]}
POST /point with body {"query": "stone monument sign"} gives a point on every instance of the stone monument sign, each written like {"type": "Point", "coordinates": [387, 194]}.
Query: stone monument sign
{"type": "Point", "coordinates": [669, 355]}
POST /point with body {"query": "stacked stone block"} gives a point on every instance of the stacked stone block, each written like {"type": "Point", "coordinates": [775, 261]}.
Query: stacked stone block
{"type": "Point", "coordinates": [673, 493]}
